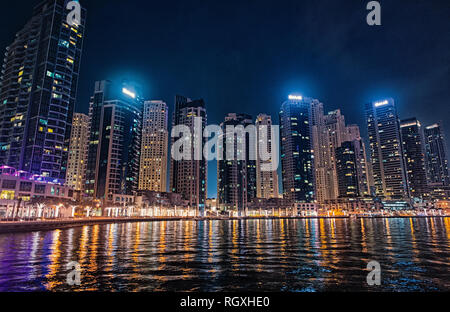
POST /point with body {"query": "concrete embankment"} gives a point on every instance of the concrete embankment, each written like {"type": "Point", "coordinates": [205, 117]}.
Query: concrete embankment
{"type": "Point", "coordinates": [45, 225]}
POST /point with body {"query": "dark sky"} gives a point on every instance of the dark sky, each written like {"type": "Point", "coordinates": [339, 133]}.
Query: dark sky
{"type": "Point", "coordinates": [247, 56]}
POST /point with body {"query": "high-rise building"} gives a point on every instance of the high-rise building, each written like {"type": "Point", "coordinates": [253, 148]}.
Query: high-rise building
{"type": "Point", "coordinates": [235, 177]}
{"type": "Point", "coordinates": [436, 156]}
{"type": "Point", "coordinates": [78, 152]}
{"type": "Point", "coordinates": [337, 134]}
{"type": "Point", "coordinates": [323, 168]}
{"type": "Point", "coordinates": [188, 177]}
{"type": "Point", "coordinates": [266, 181]}
{"type": "Point", "coordinates": [389, 173]}
{"type": "Point", "coordinates": [296, 149]}
{"type": "Point", "coordinates": [347, 171]}
{"type": "Point", "coordinates": [38, 89]}
{"type": "Point", "coordinates": [363, 167]}
{"type": "Point", "coordinates": [154, 150]}
{"type": "Point", "coordinates": [115, 141]}
{"type": "Point", "coordinates": [329, 133]}
{"type": "Point", "coordinates": [414, 154]}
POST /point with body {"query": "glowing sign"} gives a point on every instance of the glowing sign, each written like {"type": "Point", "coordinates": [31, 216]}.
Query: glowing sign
{"type": "Point", "coordinates": [433, 127]}
{"type": "Point", "coordinates": [295, 97]}
{"type": "Point", "coordinates": [411, 124]}
{"type": "Point", "coordinates": [378, 104]}
{"type": "Point", "coordinates": [129, 93]}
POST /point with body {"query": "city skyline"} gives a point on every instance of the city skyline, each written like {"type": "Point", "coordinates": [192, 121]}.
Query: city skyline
{"type": "Point", "coordinates": [328, 129]}
{"type": "Point", "coordinates": [273, 146]}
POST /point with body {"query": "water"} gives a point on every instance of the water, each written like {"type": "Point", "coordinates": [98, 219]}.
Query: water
{"type": "Point", "coordinates": [256, 255]}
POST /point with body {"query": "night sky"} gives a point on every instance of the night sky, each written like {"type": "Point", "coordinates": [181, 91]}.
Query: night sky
{"type": "Point", "coordinates": [247, 56]}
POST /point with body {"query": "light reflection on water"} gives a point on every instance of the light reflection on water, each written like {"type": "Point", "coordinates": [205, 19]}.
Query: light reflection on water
{"type": "Point", "coordinates": [253, 255]}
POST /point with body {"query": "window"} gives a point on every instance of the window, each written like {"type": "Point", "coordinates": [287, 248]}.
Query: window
{"type": "Point", "coordinates": [39, 189]}
{"type": "Point", "coordinates": [26, 186]}
{"type": "Point", "coordinates": [9, 184]}
{"type": "Point", "coordinates": [9, 195]}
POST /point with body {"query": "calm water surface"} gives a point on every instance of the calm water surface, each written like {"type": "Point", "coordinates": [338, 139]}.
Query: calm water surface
{"type": "Point", "coordinates": [257, 255]}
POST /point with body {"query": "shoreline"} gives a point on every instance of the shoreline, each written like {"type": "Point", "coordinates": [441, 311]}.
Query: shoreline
{"type": "Point", "coordinates": [7, 227]}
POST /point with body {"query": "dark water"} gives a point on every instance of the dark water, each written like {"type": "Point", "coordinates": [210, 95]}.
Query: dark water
{"type": "Point", "coordinates": [280, 255]}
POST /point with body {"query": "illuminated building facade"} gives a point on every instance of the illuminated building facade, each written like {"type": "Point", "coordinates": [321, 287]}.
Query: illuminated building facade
{"type": "Point", "coordinates": [115, 141]}
{"type": "Point", "coordinates": [337, 134]}
{"type": "Point", "coordinates": [24, 186]}
{"type": "Point", "coordinates": [38, 90]}
{"type": "Point", "coordinates": [154, 148]}
{"type": "Point", "coordinates": [324, 177]}
{"type": "Point", "coordinates": [266, 181]}
{"type": "Point", "coordinates": [329, 133]}
{"type": "Point", "coordinates": [188, 177]}
{"type": "Point", "coordinates": [296, 149]}
{"type": "Point", "coordinates": [389, 173]}
{"type": "Point", "coordinates": [347, 170]}
{"type": "Point", "coordinates": [363, 167]}
{"type": "Point", "coordinates": [78, 152]}
{"type": "Point", "coordinates": [236, 183]}
{"type": "Point", "coordinates": [414, 154]}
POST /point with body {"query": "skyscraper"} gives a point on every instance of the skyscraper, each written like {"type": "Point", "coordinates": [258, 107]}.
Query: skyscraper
{"type": "Point", "coordinates": [188, 177]}
{"type": "Point", "coordinates": [38, 90]}
{"type": "Point", "coordinates": [414, 154]}
{"type": "Point", "coordinates": [78, 152]}
{"type": "Point", "coordinates": [347, 174]}
{"type": "Point", "coordinates": [266, 181]}
{"type": "Point", "coordinates": [155, 139]}
{"type": "Point", "coordinates": [296, 149]}
{"type": "Point", "coordinates": [386, 150]}
{"type": "Point", "coordinates": [337, 134]}
{"type": "Point", "coordinates": [351, 168]}
{"type": "Point", "coordinates": [235, 176]}
{"type": "Point", "coordinates": [329, 133]}
{"type": "Point", "coordinates": [324, 176]}
{"type": "Point", "coordinates": [363, 166]}
{"type": "Point", "coordinates": [436, 156]}
{"type": "Point", "coordinates": [115, 141]}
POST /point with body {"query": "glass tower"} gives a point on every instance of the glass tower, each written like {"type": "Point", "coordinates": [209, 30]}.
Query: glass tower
{"type": "Point", "coordinates": [414, 154]}
{"type": "Point", "coordinates": [386, 150]}
{"type": "Point", "coordinates": [115, 141]}
{"type": "Point", "coordinates": [296, 149]}
{"type": "Point", "coordinates": [38, 90]}
{"type": "Point", "coordinates": [436, 155]}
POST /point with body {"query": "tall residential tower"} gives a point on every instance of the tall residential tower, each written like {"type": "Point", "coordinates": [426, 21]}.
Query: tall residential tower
{"type": "Point", "coordinates": [78, 151]}
{"type": "Point", "coordinates": [115, 141]}
{"type": "Point", "coordinates": [188, 177]}
{"type": "Point", "coordinates": [389, 172]}
{"type": "Point", "coordinates": [414, 154]}
{"type": "Point", "coordinates": [154, 149]}
{"type": "Point", "coordinates": [266, 181]}
{"type": "Point", "coordinates": [436, 155]}
{"type": "Point", "coordinates": [297, 149]}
